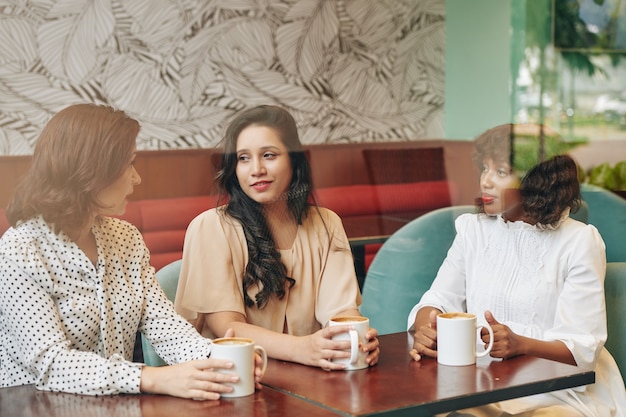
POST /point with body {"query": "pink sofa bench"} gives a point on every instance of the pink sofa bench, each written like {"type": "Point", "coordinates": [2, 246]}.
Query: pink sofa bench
{"type": "Point", "coordinates": [163, 222]}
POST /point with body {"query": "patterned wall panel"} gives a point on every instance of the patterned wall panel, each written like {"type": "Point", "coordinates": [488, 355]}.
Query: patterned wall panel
{"type": "Point", "coordinates": [348, 70]}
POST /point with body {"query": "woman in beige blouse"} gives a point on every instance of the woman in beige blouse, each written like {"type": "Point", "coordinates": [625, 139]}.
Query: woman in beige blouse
{"type": "Point", "coordinates": [269, 263]}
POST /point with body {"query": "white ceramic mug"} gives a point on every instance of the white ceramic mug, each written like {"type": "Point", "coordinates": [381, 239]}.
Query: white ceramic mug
{"type": "Point", "coordinates": [456, 339]}
{"type": "Point", "coordinates": [356, 336]}
{"type": "Point", "coordinates": [240, 351]}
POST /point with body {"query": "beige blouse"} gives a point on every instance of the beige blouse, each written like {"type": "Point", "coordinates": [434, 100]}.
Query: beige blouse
{"type": "Point", "coordinates": [215, 256]}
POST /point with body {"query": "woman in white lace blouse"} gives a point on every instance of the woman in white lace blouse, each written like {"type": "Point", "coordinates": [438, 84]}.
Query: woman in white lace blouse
{"type": "Point", "coordinates": [535, 274]}
{"type": "Point", "coordinates": [77, 285]}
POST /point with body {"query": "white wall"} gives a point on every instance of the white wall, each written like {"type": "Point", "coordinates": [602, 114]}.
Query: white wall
{"type": "Point", "coordinates": [477, 70]}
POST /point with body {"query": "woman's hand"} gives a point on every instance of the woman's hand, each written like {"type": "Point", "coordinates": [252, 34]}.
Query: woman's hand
{"type": "Point", "coordinates": [258, 362]}
{"type": "Point", "coordinates": [425, 337]}
{"type": "Point", "coordinates": [506, 343]}
{"type": "Point", "coordinates": [318, 349]}
{"type": "Point", "coordinates": [321, 349]}
{"type": "Point", "coordinates": [371, 347]}
{"type": "Point", "coordinates": [258, 370]}
{"type": "Point", "coordinates": [199, 379]}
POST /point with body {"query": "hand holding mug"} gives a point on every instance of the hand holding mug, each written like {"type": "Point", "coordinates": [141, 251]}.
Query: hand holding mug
{"type": "Point", "coordinates": [506, 343]}
{"type": "Point", "coordinates": [456, 339]}
{"type": "Point", "coordinates": [425, 336]}
{"type": "Point", "coordinates": [357, 336]}
{"type": "Point", "coordinates": [244, 354]}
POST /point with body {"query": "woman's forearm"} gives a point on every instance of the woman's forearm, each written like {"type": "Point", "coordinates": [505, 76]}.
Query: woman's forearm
{"type": "Point", "coordinates": [554, 350]}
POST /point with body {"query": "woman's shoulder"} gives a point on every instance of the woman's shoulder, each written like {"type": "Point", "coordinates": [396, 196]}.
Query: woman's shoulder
{"type": "Point", "coordinates": [209, 215]}
{"type": "Point", "coordinates": [118, 225]}
{"type": "Point", "coordinates": [30, 239]}
{"type": "Point", "coordinates": [323, 213]}
{"type": "Point", "coordinates": [581, 238]}
{"type": "Point", "coordinates": [465, 220]}
{"type": "Point", "coordinates": [215, 220]}
{"type": "Point", "coordinates": [475, 224]}
{"type": "Point", "coordinates": [24, 232]}
{"type": "Point", "coordinates": [323, 217]}
{"type": "Point", "coordinates": [215, 215]}
{"type": "Point", "coordinates": [118, 231]}
{"type": "Point", "coordinates": [570, 227]}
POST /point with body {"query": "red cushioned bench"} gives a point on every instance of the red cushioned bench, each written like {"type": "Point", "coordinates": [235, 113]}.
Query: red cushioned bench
{"type": "Point", "coordinates": [163, 222]}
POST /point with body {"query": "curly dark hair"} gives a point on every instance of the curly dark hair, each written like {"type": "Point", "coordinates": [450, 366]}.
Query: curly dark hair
{"type": "Point", "coordinates": [264, 262]}
{"type": "Point", "coordinates": [549, 188]}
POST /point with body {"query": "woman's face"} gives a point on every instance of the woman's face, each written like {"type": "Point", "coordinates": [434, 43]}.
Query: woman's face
{"type": "Point", "coordinates": [263, 166]}
{"type": "Point", "coordinates": [113, 198]}
{"type": "Point", "coordinates": [498, 186]}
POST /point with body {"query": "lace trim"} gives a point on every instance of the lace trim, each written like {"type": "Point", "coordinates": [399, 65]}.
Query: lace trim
{"type": "Point", "coordinates": [513, 263]}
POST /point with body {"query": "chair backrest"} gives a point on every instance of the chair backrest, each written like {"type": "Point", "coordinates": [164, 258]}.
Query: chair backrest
{"type": "Point", "coordinates": [615, 293]}
{"type": "Point", "coordinates": [607, 212]}
{"type": "Point", "coordinates": [168, 279]}
{"type": "Point", "coordinates": [582, 215]}
{"type": "Point", "coordinates": [405, 267]}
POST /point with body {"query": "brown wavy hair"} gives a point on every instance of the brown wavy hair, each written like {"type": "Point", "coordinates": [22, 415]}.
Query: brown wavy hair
{"type": "Point", "coordinates": [81, 150]}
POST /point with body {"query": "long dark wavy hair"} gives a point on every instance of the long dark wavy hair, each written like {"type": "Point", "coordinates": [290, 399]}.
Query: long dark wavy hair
{"type": "Point", "coordinates": [549, 188]}
{"type": "Point", "coordinates": [83, 149]}
{"type": "Point", "coordinates": [264, 262]}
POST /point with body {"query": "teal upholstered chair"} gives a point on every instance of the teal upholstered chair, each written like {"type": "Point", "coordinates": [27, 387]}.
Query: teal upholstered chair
{"type": "Point", "coordinates": [168, 278]}
{"type": "Point", "coordinates": [405, 266]}
{"type": "Point", "coordinates": [607, 212]}
{"type": "Point", "coordinates": [582, 214]}
{"type": "Point", "coordinates": [615, 289]}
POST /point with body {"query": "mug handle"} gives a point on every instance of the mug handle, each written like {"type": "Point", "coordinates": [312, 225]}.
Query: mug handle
{"type": "Point", "coordinates": [490, 330]}
{"type": "Point", "coordinates": [354, 346]}
{"type": "Point", "coordinates": [263, 354]}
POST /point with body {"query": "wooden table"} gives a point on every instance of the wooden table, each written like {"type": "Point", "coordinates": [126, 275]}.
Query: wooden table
{"type": "Point", "coordinates": [26, 401]}
{"type": "Point", "coordinates": [398, 386]}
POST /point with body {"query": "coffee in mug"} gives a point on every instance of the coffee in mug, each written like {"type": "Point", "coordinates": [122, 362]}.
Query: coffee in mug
{"type": "Point", "coordinates": [457, 337]}
{"type": "Point", "coordinates": [240, 351]}
{"type": "Point", "coordinates": [357, 338]}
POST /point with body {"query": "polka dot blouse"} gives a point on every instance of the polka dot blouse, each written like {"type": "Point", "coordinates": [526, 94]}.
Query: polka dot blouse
{"type": "Point", "coordinates": [67, 325]}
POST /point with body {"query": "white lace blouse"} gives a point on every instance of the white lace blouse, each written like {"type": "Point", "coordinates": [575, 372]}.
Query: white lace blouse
{"type": "Point", "coordinates": [67, 325]}
{"type": "Point", "coordinates": [544, 283]}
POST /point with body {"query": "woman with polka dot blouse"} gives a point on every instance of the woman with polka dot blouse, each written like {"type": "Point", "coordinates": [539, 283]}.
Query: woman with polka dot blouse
{"type": "Point", "coordinates": [77, 285]}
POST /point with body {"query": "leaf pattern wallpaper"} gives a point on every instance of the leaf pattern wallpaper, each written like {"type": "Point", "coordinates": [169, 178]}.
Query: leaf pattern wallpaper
{"type": "Point", "coordinates": [348, 70]}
